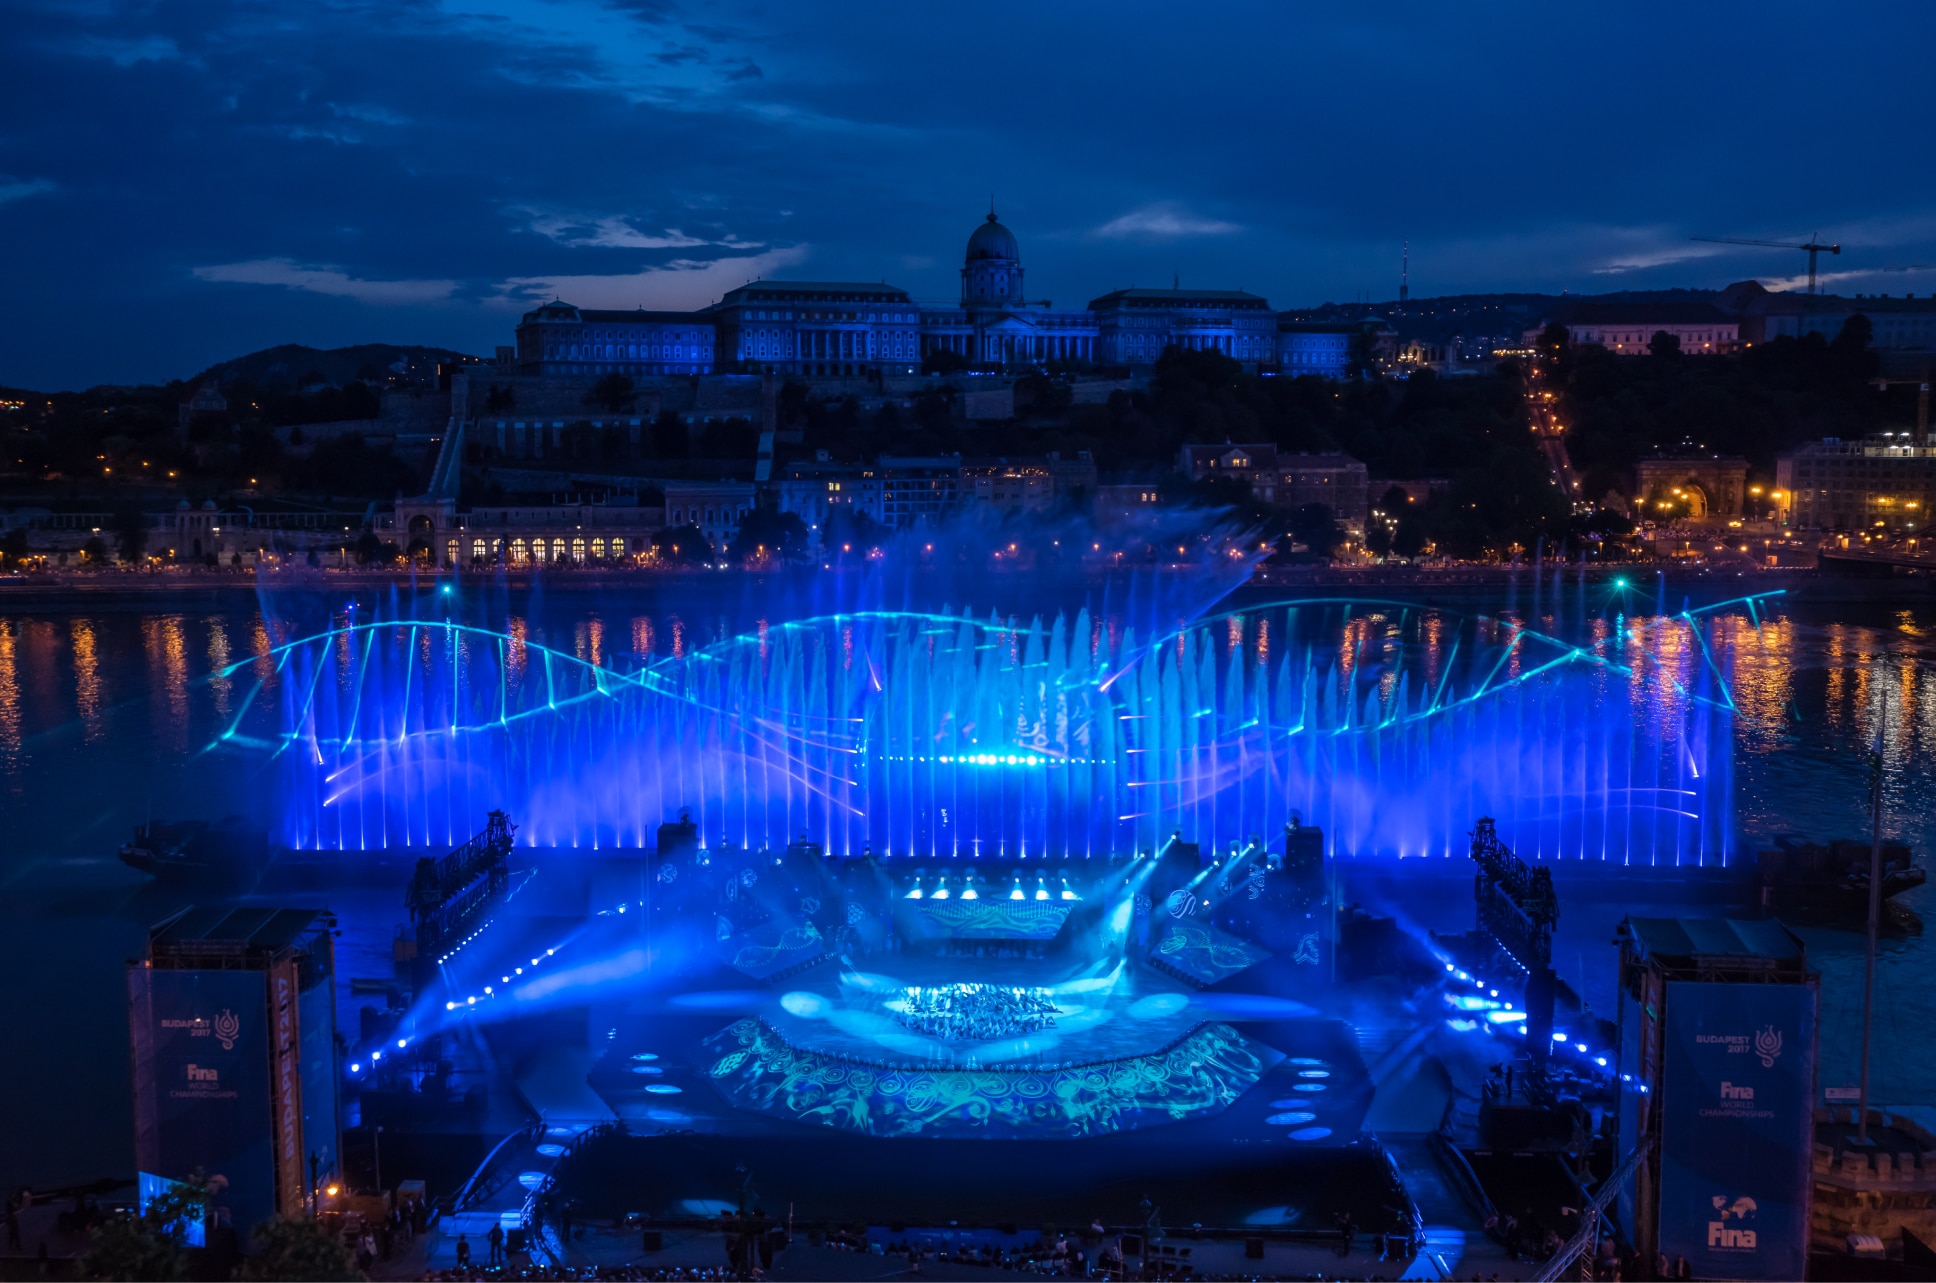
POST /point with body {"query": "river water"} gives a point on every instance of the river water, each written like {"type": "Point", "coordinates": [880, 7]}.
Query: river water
{"type": "Point", "coordinates": [109, 714]}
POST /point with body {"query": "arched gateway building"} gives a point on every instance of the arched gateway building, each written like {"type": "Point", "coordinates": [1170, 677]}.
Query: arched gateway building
{"type": "Point", "coordinates": [846, 329]}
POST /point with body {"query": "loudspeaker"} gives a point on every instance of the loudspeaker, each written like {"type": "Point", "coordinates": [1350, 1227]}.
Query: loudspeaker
{"type": "Point", "coordinates": [1253, 1249]}
{"type": "Point", "coordinates": [651, 1240]}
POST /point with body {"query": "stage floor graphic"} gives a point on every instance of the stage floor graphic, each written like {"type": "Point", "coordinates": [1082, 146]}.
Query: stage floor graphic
{"type": "Point", "coordinates": [1200, 1073]}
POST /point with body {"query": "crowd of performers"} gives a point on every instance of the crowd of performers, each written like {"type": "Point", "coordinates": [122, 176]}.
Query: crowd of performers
{"type": "Point", "coordinates": [977, 1011]}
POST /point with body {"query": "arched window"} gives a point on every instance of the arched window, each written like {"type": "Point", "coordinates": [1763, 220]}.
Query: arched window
{"type": "Point", "coordinates": [578, 550]}
{"type": "Point", "coordinates": [598, 547]}
{"type": "Point", "coordinates": [518, 553]}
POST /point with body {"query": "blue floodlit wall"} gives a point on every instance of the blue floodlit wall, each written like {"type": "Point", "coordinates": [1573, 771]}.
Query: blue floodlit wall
{"type": "Point", "coordinates": [918, 734]}
{"type": "Point", "coordinates": [1736, 1128]}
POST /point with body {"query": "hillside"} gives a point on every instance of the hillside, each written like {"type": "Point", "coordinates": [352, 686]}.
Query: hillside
{"type": "Point", "coordinates": [292, 366]}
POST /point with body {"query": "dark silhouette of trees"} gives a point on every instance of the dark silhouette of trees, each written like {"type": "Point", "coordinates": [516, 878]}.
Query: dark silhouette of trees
{"type": "Point", "coordinates": [669, 436]}
{"type": "Point", "coordinates": [613, 392]}
{"type": "Point", "coordinates": [130, 532]}
{"type": "Point", "coordinates": [683, 545]}
{"type": "Point", "coordinates": [768, 532]}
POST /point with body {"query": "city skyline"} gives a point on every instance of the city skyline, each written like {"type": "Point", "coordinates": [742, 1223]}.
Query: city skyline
{"type": "Point", "coordinates": [196, 186]}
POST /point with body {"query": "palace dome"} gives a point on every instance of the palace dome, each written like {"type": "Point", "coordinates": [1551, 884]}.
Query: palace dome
{"type": "Point", "coordinates": [993, 241]}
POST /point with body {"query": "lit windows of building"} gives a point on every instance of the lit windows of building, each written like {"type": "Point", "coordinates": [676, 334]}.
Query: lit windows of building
{"type": "Point", "coordinates": [1835, 484]}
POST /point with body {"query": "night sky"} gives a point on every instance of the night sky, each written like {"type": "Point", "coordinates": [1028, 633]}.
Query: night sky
{"type": "Point", "coordinates": [181, 182]}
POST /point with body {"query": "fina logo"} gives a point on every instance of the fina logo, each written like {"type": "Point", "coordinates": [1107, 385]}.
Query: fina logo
{"type": "Point", "coordinates": [1731, 1092]}
{"type": "Point", "coordinates": [1725, 1237]}
{"type": "Point", "coordinates": [1767, 1045]}
{"type": "Point", "coordinates": [228, 1027]}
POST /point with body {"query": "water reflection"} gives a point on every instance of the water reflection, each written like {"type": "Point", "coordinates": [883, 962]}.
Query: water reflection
{"type": "Point", "coordinates": [87, 679]}
{"type": "Point", "coordinates": [9, 694]}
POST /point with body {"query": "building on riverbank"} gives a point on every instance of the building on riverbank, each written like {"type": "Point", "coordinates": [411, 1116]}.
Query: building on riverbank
{"type": "Point", "coordinates": [1881, 482]}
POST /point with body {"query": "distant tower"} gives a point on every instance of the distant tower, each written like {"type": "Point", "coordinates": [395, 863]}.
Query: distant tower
{"type": "Point", "coordinates": [1405, 272]}
{"type": "Point", "coordinates": [992, 274]}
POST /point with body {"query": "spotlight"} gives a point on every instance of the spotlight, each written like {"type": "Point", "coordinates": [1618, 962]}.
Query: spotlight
{"type": "Point", "coordinates": [356, 1069]}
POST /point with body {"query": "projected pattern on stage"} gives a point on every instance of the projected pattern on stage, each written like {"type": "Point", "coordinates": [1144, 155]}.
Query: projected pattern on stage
{"type": "Point", "coordinates": [1202, 954]}
{"type": "Point", "coordinates": [1201, 1074]}
{"type": "Point", "coordinates": [995, 919]}
{"type": "Point", "coordinates": [914, 734]}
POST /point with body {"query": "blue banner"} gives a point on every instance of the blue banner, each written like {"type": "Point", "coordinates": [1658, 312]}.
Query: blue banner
{"type": "Point", "coordinates": [1736, 1128]}
{"type": "Point", "coordinates": [206, 1083]}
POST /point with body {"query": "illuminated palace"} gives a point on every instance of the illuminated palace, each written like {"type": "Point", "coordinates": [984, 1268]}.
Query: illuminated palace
{"type": "Point", "coordinates": [843, 329]}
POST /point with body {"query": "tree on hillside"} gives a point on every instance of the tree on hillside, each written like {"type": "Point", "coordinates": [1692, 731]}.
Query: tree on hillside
{"type": "Point", "coordinates": [763, 532]}
{"type": "Point", "coordinates": [13, 547]}
{"type": "Point", "coordinates": [852, 533]}
{"type": "Point", "coordinates": [130, 532]}
{"type": "Point", "coordinates": [1851, 347]}
{"type": "Point", "coordinates": [683, 545]}
{"type": "Point", "coordinates": [1316, 527]}
{"type": "Point", "coordinates": [1555, 341]}
{"type": "Point", "coordinates": [1664, 346]}
{"type": "Point", "coordinates": [669, 435]}
{"type": "Point", "coordinates": [615, 392]}
{"type": "Point", "coordinates": [945, 362]}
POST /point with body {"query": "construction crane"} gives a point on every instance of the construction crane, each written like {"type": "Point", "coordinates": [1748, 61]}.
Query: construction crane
{"type": "Point", "coordinates": [1812, 246]}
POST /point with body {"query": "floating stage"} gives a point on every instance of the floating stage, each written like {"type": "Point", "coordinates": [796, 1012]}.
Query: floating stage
{"type": "Point", "coordinates": [880, 1043]}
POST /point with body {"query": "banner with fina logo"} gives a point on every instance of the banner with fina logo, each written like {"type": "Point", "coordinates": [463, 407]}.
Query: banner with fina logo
{"type": "Point", "coordinates": [1736, 1128]}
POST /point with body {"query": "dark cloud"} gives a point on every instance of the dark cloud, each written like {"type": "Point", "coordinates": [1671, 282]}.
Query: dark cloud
{"type": "Point", "coordinates": [182, 183]}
